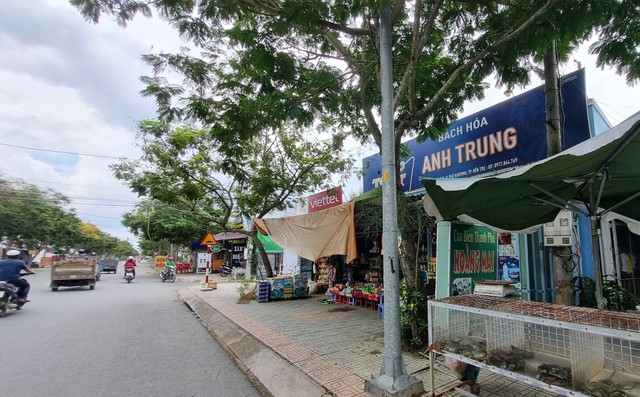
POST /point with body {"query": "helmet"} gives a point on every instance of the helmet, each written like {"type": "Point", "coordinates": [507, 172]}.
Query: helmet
{"type": "Point", "coordinates": [131, 257]}
{"type": "Point", "coordinates": [13, 253]}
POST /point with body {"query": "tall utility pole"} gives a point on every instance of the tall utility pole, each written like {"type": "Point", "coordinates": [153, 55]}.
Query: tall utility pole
{"type": "Point", "coordinates": [393, 379]}
{"type": "Point", "coordinates": [561, 277]}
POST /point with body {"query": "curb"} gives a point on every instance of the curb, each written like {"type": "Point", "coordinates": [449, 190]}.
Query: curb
{"type": "Point", "coordinates": [272, 375]}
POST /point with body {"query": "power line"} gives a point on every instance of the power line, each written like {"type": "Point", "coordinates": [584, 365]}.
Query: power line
{"type": "Point", "coordinates": [47, 181]}
{"type": "Point", "coordinates": [53, 201]}
{"type": "Point", "coordinates": [65, 152]}
{"type": "Point", "coordinates": [99, 216]}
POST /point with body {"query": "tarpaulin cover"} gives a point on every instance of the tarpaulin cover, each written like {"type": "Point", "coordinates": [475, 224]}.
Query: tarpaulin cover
{"type": "Point", "coordinates": [270, 246]}
{"type": "Point", "coordinates": [315, 235]}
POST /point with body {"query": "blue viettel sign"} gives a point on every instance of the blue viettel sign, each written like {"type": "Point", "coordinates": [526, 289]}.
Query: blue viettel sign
{"type": "Point", "coordinates": [509, 134]}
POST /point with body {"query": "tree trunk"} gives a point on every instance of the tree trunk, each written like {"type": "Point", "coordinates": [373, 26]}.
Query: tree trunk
{"type": "Point", "coordinates": [263, 254]}
{"type": "Point", "coordinates": [408, 257]}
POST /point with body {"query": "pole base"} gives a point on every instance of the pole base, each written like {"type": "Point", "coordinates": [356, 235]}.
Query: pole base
{"type": "Point", "coordinates": [210, 286]}
{"type": "Point", "coordinates": [384, 386]}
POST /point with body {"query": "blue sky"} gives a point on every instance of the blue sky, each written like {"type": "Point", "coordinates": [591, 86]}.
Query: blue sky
{"type": "Point", "coordinates": [69, 85]}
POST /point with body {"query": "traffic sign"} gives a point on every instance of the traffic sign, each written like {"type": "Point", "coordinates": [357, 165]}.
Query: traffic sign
{"type": "Point", "coordinates": [209, 240]}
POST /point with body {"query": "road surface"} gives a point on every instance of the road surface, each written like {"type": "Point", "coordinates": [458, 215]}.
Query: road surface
{"type": "Point", "coordinates": [118, 340]}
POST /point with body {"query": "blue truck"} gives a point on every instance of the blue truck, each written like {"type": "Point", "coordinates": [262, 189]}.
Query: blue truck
{"type": "Point", "coordinates": [108, 265]}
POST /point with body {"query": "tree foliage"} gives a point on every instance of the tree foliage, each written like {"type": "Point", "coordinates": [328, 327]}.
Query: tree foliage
{"type": "Point", "coordinates": [264, 63]}
{"type": "Point", "coordinates": [161, 223]}
{"type": "Point", "coordinates": [35, 218]}
{"type": "Point", "coordinates": [185, 167]}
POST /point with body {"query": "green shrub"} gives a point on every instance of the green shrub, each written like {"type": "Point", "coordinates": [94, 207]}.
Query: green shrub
{"type": "Point", "coordinates": [614, 296]}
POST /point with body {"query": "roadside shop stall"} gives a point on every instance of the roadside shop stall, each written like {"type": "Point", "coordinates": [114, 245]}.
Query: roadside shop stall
{"type": "Point", "coordinates": [315, 236]}
{"type": "Point", "coordinates": [332, 244]}
{"type": "Point", "coordinates": [569, 350]}
{"type": "Point", "coordinates": [232, 247]}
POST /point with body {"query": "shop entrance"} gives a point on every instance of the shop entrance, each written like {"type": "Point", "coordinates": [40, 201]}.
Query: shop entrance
{"type": "Point", "coordinates": [627, 249]}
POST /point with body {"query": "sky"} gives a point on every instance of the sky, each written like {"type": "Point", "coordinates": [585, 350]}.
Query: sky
{"type": "Point", "coordinates": [68, 85]}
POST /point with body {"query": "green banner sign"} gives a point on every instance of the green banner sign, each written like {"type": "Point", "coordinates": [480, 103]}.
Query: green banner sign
{"type": "Point", "coordinates": [474, 256]}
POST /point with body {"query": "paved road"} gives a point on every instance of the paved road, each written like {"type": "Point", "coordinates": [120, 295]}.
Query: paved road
{"type": "Point", "coordinates": [118, 340]}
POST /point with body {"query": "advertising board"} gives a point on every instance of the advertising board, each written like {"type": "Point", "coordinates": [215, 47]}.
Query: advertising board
{"type": "Point", "coordinates": [509, 134]}
{"type": "Point", "coordinates": [160, 261]}
{"type": "Point", "coordinates": [323, 200]}
{"type": "Point", "coordinates": [474, 257]}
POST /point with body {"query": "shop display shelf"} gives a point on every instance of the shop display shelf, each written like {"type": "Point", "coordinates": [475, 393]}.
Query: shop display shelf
{"type": "Point", "coordinates": [567, 350]}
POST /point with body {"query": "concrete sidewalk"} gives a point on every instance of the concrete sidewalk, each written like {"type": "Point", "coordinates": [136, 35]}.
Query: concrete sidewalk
{"type": "Point", "coordinates": [306, 348]}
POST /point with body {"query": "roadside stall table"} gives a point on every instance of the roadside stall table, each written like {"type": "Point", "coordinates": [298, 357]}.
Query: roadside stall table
{"type": "Point", "coordinates": [572, 351]}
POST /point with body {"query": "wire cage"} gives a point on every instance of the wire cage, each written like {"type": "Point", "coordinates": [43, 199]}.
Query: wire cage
{"type": "Point", "coordinates": [570, 350]}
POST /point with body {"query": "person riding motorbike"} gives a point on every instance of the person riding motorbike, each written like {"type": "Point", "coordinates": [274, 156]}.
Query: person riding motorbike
{"type": "Point", "coordinates": [130, 264]}
{"type": "Point", "coordinates": [10, 269]}
{"type": "Point", "coordinates": [169, 265]}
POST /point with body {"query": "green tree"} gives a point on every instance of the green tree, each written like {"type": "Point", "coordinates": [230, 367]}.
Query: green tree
{"type": "Point", "coordinates": [35, 217]}
{"type": "Point", "coordinates": [184, 167]}
{"type": "Point", "coordinates": [165, 224]}
{"type": "Point", "coordinates": [308, 61]}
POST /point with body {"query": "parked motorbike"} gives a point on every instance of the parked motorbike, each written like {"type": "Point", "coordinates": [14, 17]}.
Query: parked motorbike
{"type": "Point", "coordinates": [128, 275]}
{"type": "Point", "coordinates": [168, 274]}
{"type": "Point", "coordinates": [8, 297]}
{"type": "Point", "coordinates": [226, 270]}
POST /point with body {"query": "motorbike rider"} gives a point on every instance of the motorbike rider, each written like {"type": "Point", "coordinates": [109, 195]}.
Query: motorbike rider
{"type": "Point", "coordinates": [168, 266]}
{"type": "Point", "coordinates": [10, 269]}
{"type": "Point", "coordinates": [130, 264]}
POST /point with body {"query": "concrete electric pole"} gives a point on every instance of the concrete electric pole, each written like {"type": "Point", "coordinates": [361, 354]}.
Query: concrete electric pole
{"type": "Point", "coordinates": [393, 379]}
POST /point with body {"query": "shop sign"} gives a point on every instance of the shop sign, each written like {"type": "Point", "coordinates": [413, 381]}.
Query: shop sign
{"type": "Point", "coordinates": [160, 261]}
{"type": "Point", "coordinates": [501, 137]}
{"type": "Point", "coordinates": [474, 257]}
{"type": "Point", "coordinates": [323, 200]}
{"type": "Point", "coordinates": [203, 260]}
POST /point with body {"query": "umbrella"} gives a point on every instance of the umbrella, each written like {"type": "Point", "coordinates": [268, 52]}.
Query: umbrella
{"type": "Point", "coordinates": [595, 177]}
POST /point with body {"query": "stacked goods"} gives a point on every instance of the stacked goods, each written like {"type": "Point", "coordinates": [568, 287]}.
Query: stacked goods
{"type": "Point", "coordinates": [263, 291]}
{"type": "Point", "coordinates": [287, 289]}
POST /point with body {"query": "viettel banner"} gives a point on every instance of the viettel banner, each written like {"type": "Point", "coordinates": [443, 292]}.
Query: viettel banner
{"type": "Point", "coordinates": [323, 200]}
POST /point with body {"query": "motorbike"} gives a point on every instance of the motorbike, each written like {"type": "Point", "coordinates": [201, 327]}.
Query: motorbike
{"type": "Point", "coordinates": [8, 297]}
{"type": "Point", "coordinates": [168, 274]}
{"type": "Point", "coordinates": [226, 270]}
{"type": "Point", "coordinates": [128, 275]}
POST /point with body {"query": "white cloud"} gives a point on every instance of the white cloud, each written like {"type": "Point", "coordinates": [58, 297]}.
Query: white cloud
{"type": "Point", "coordinates": [69, 85]}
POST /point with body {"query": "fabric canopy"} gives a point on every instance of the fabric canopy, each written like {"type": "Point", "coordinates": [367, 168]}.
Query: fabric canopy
{"type": "Point", "coordinates": [372, 197]}
{"type": "Point", "coordinates": [315, 235]}
{"type": "Point", "coordinates": [270, 246]}
{"type": "Point", "coordinates": [597, 176]}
